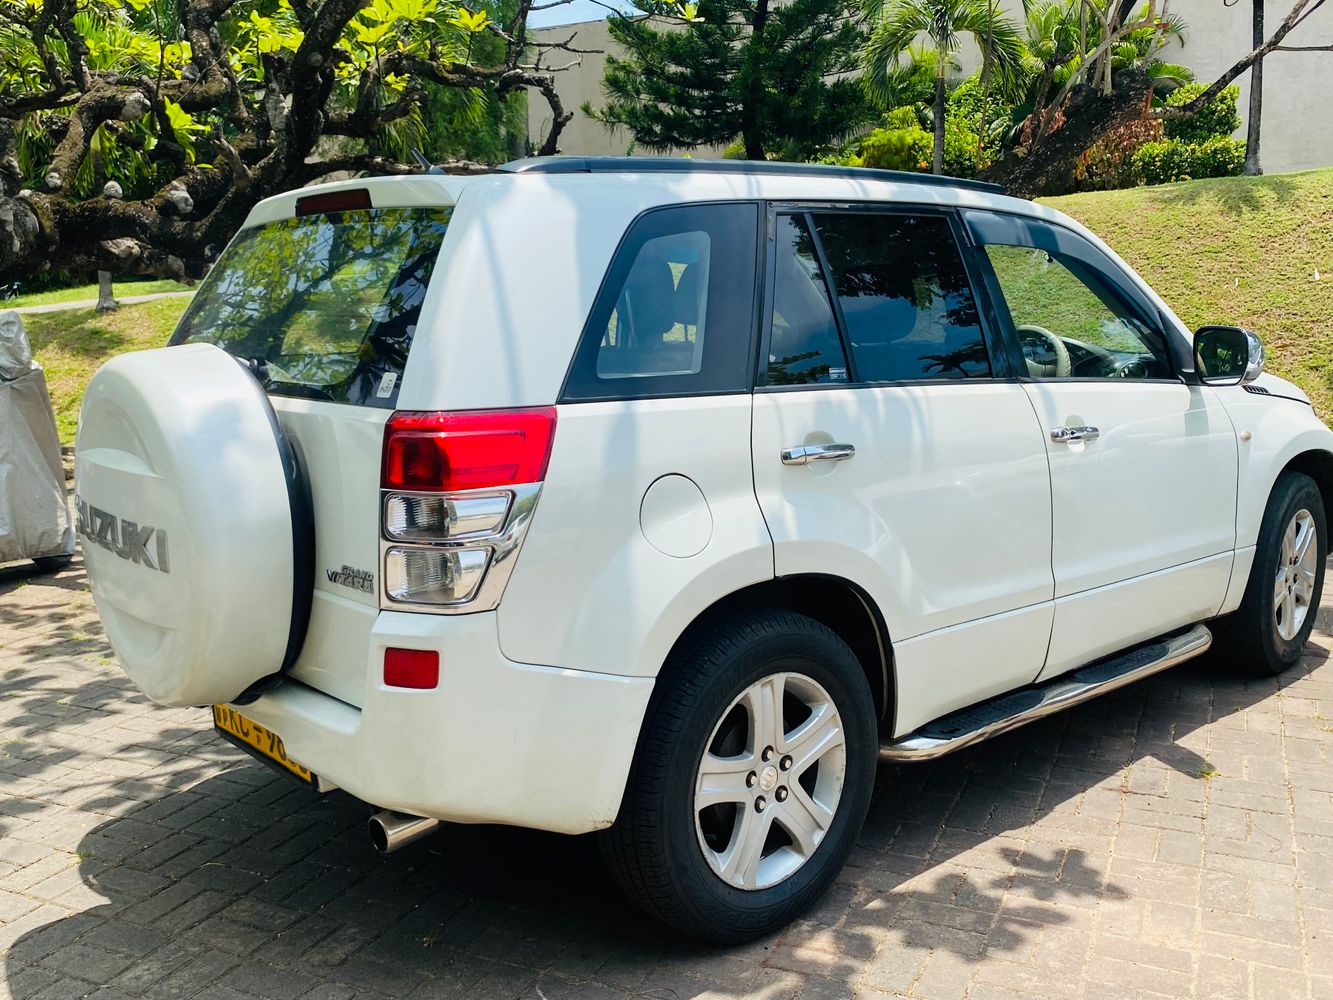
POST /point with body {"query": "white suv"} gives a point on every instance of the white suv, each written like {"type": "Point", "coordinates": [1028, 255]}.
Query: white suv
{"type": "Point", "coordinates": [665, 498]}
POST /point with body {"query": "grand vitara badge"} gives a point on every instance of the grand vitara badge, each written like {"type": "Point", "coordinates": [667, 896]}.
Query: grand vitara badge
{"type": "Point", "coordinates": [127, 539]}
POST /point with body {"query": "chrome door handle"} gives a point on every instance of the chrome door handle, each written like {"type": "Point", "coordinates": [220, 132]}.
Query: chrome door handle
{"type": "Point", "coordinates": [806, 453]}
{"type": "Point", "coordinates": [1068, 435]}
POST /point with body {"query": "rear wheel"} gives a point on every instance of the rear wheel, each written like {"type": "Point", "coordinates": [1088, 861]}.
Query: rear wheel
{"type": "Point", "coordinates": [1267, 633]}
{"type": "Point", "coordinates": [751, 779]}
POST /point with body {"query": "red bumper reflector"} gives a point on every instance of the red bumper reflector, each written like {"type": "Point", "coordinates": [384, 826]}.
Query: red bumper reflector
{"type": "Point", "coordinates": [411, 668]}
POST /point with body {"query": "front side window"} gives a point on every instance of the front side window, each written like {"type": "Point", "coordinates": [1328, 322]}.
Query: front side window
{"type": "Point", "coordinates": [325, 306]}
{"type": "Point", "coordinates": [1068, 323]}
{"type": "Point", "coordinates": [675, 315]}
{"type": "Point", "coordinates": [907, 305]}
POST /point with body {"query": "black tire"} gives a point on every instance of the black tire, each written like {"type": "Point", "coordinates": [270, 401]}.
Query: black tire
{"type": "Point", "coordinates": [53, 564]}
{"type": "Point", "coordinates": [1247, 640]}
{"type": "Point", "coordinates": [653, 850]}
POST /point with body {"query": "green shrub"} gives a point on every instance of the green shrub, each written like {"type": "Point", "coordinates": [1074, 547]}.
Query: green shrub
{"type": "Point", "coordinates": [1173, 160]}
{"type": "Point", "coordinates": [895, 149]}
{"type": "Point", "coordinates": [960, 148]}
{"type": "Point", "coordinates": [1109, 163]}
{"type": "Point", "coordinates": [1216, 119]}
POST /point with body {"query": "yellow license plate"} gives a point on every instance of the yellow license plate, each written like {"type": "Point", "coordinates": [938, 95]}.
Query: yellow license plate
{"type": "Point", "coordinates": [261, 742]}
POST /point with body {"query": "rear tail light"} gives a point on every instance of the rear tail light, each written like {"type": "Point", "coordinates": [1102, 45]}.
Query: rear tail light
{"type": "Point", "coordinates": [434, 576]}
{"type": "Point", "coordinates": [458, 490]}
{"type": "Point", "coordinates": [467, 451]}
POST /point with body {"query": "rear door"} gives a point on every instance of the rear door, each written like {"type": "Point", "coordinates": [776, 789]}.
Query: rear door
{"type": "Point", "coordinates": [892, 447]}
{"type": "Point", "coordinates": [1143, 465]}
{"type": "Point", "coordinates": [324, 305]}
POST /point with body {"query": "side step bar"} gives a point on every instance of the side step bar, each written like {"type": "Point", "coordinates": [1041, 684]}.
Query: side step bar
{"type": "Point", "coordinates": [991, 718]}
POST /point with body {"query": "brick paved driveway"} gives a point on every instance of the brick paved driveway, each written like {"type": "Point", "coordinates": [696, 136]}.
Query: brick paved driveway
{"type": "Point", "coordinates": [1173, 839]}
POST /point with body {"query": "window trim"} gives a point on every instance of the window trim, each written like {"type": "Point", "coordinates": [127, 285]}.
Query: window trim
{"type": "Point", "coordinates": [744, 385]}
{"type": "Point", "coordinates": [1002, 369]}
{"type": "Point", "coordinates": [1009, 229]}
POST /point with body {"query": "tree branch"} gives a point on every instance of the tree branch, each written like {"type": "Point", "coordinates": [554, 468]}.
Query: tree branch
{"type": "Point", "coordinates": [1302, 10]}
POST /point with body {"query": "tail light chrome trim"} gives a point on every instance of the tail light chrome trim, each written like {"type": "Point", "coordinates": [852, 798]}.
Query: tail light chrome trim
{"type": "Point", "coordinates": [468, 510]}
{"type": "Point", "coordinates": [430, 517]}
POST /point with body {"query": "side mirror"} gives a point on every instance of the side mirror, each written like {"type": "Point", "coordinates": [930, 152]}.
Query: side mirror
{"type": "Point", "coordinates": [1227, 355]}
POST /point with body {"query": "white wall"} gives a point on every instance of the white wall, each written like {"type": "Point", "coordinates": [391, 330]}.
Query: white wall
{"type": "Point", "coordinates": [1298, 86]}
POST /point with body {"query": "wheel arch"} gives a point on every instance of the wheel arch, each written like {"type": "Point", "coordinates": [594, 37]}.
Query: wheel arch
{"type": "Point", "coordinates": [1316, 463]}
{"type": "Point", "coordinates": [833, 601]}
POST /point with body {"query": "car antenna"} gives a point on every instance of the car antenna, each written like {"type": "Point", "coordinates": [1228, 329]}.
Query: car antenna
{"type": "Point", "coordinates": [424, 163]}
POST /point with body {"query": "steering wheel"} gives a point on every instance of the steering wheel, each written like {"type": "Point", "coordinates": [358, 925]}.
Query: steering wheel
{"type": "Point", "coordinates": [1064, 367]}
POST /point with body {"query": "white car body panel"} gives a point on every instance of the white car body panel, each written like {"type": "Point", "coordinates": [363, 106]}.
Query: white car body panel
{"type": "Point", "coordinates": [1156, 490]}
{"type": "Point", "coordinates": [591, 591]}
{"type": "Point", "coordinates": [496, 742]}
{"type": "Point", "coordinates": [991, 556]}
{"type": "Point", "coordinates": [942, 518]}
{"type": "Point", "coordinates": [1099, 622]}
{"type": "Point", "coordinates": [339, 448]}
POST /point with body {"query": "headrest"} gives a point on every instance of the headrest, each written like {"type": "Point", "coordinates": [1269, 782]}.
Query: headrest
{"type": "Point", "coordinates": [687, 295]}
{"type": "Point", "coordinates": [651, 294]}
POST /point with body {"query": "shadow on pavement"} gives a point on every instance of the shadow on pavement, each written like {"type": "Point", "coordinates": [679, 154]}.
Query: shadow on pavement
{"type": "Point", "coordinates": [216, 870]}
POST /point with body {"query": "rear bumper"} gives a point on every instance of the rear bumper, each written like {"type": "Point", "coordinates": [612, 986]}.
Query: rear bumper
{"type": "Point", "coordinates": [495, 742]}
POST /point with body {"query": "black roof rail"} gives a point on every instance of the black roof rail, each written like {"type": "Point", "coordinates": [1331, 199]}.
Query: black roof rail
{"type": "Point", "coordinates": [680, 164]}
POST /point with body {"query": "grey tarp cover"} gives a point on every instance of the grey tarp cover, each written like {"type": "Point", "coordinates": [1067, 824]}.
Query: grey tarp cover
{"type": "Point", "coordinates": [34, 516]}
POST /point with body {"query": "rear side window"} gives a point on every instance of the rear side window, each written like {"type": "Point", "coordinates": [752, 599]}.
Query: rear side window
{"type": "Point", "coordinates": [675, 315]}
{"type": "Point", "coordinates": [904, 295]}
{"type": "Point", "coordinates": [325, 305]}
{"type": "Point", "coordinates": [804, 346]}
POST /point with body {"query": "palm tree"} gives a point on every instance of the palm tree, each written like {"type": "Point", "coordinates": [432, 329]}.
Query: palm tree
{"type": "Point", "coordinates": [897, 24]}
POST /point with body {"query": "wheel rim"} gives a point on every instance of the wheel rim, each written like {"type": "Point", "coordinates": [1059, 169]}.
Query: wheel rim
{"type": "Point", "coordinates": [770, 780]}
{"type": "Point", "coordinates": [1293, 588]}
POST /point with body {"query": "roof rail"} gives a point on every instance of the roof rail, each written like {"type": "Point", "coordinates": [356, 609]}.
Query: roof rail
{"type": "Point", "coordinates": [676, 164]}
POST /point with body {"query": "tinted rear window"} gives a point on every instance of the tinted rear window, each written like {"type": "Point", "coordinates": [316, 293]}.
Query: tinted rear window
{"type": "Point", "coordinates": [328, 303]}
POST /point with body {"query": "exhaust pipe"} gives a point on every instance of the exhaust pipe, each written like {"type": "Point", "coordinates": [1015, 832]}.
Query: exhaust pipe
{"type": "Point", "coordinates": [391, 830]}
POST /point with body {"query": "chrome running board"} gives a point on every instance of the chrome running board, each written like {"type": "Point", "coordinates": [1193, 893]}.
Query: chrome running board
{"type": "Point", "coordinates": [1009, 711]}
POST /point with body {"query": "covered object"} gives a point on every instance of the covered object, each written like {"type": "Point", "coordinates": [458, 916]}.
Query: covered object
{"type": "Point", "coordinates": [34, 514]}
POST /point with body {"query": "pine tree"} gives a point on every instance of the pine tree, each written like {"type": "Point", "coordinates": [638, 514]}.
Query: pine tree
{"type": "Point", "coordinates": [776, 76]}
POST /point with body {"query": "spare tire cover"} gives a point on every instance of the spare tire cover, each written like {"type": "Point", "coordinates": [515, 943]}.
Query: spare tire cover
{"type": "Point", "coordinates": [186, 521]}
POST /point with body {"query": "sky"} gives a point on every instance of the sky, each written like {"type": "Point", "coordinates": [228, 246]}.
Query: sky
{"type": "Point", "coordinates": [570, 13]}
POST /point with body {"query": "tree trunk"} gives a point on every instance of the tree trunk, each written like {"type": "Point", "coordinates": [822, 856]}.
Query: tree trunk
{"type": "Point", "coordinates": [940, 104]}
{"type": "Point", "coordinates": [1252, 166]}
{"type": "Point", "coordinates": [106, 302]}
{"type": "Point", "coordinates": [1049, 169]}
{"type": "Point", "coordinates": [752, 132]}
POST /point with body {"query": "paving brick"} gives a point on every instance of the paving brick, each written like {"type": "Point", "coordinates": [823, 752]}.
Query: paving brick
{"type": "Point", "coordinates": [1081, 857]}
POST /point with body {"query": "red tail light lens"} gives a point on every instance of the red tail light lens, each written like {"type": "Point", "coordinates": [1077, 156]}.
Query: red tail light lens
{"type": "Point", "coordinates": [481, 449]}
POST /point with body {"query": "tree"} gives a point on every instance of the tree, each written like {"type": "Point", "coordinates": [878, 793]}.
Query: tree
{"type": "Point", "coordinates": [774, 75]}
{"type": "Point", "coordinates": [1255, 118]}
{"type": "Point", "coordinates": [197, 109]}
{"type": "Point", "coordinates": [1095, 100]}
{"type": "Point", "coordinates": [897, 24]}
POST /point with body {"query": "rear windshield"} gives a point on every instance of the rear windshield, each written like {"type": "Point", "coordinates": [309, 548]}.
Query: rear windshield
{"type": "Point", "coordinates": [323, 306]}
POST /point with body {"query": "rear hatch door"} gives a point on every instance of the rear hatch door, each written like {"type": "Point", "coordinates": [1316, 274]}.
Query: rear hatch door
{"type": "Point", "coordinates": [322, 298]}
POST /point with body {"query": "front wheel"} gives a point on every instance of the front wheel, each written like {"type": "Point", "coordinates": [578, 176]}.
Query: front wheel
{"type": "Point", "coordinates": [1267, 633]}
{"type": "Point", "coordinates": [751, 779]}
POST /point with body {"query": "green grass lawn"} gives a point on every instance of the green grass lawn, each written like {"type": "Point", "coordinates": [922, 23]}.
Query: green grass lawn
{"type": "Point", "coordinates": [1240, 251]}
{"type": "Point", "coordinates": [120, 289]}
{"type": "Point", "coordinates": [72, 344]}
{"type": "Point", "coordinates": [1237, 250]}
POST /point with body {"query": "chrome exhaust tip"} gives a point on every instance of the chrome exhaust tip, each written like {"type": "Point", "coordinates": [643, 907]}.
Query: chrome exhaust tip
{"type": "Point", "coordinates": [391, 830]}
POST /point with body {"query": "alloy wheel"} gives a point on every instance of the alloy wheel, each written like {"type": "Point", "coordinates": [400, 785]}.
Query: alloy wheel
{"type": "Point", "coordinates": [1293, 587]}
{"type": "Point", "coordinates": [770, 780]}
